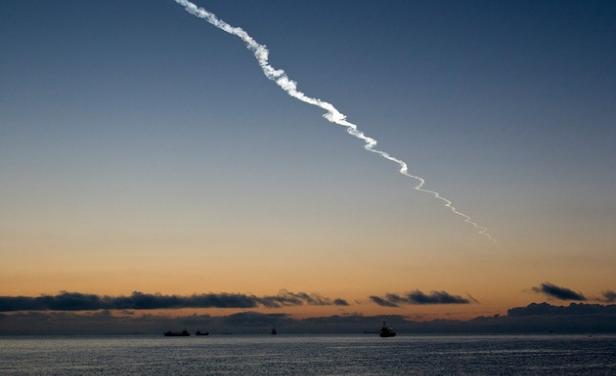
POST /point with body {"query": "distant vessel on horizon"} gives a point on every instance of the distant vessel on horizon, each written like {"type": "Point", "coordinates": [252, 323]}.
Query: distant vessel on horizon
{"type": "Point", "coordinates": [200, 333]}
{"type": "Point", "coordinates": [183, 333]}
{"type": "Point", "coordinates": [274, 331]}
{"type": "Point", "coordinates": [387, 331]}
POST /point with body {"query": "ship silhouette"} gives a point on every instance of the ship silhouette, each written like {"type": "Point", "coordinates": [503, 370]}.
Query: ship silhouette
{"type": "Point", "coordinates": [183, 333]}
{"type": "Point", "coordinates": [386, 331]}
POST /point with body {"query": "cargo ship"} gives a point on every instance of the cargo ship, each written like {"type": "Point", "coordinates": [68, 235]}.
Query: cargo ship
{"type": "Point", "coordinates": [183, 333]}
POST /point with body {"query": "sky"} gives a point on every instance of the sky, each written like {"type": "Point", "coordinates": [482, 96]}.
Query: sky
{"type": "Point", "coordinates": [142, 149]}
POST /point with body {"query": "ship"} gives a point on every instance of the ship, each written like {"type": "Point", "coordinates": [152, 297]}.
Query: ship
{"type": "Point", "coordinates": [183, 333]}
{"type": "Point", "coordinates": [200, 333]}
{"type": "Point", "coordinates": [274, 331]}
{"type": "Point", "coordinates": [386, 331]}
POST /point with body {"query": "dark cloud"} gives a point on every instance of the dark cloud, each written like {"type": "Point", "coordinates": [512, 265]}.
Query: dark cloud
{"type": "Point", "coordinates": [394, 299]}
{"type": "Point", "coordinates": [558, 292]}
{"type": "Point", "coordinates": [609, 296]}
{"type": "Point", "coordinates": [436, 297]}
{"type": "Point", "coordinates": [65, 301]}
{"type": "Point", "coordinates": [418, 297]}
{"type": "Point", "coordinates": [75, 301]}
{"type": "Point", "coordinates": [382, 302]}
{"type": "Point", "coordinates": [573, 309]}
{"type": "Point", "coordinates": [287, 298]}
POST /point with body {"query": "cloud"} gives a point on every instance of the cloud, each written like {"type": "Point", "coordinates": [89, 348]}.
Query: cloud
{"type": "Point", "coordinates": [609, 296]}
{"type": "Point", "coordinates": [75, 301]}
{"type": "Point", "coordinates": [573, 309]}
{"type": "Point", "coordinates": [436, 297]}
{"type": "Point", "coordinates": [558, 292]}
{"type": "Point", "coordinates": [382, 302]}
{"type": "Point", "coordinates": [418, 297]}
{"type": "Point", "coordinates": [287, 298]}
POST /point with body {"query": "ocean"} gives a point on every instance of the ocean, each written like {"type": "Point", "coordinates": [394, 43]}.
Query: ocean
{"type": "Point", "coordinates": [308, 355]}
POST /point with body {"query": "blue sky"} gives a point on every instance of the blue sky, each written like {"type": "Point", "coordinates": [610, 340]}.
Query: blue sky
{"type": "Point", "coordinates": [121, 121]}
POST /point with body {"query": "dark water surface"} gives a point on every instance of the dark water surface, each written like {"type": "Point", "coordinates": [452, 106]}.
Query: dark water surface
{"type": "Point", "coordinates": [309, 355]}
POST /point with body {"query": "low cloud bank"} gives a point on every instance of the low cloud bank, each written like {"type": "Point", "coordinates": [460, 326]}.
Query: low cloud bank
{"type": "Point", "coordinates": [75, 301]}
{"type": "Point", "coordinates": [573, 309]}
{"type": "Point", "coordinates": [418, 297]}
{"type": "Point", "coordinates": [534, 318]}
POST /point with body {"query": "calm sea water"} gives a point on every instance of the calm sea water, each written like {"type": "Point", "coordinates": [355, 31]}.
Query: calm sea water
{"type": "Point", "coordinates": [309, 355]}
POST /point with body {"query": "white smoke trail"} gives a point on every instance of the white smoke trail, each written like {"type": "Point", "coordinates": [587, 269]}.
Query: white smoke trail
{"type": "Point", "coordinates": [332, 114]}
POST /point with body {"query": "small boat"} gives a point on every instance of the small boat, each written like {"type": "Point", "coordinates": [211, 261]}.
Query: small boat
{"type": "Point", "coordinates": [200, 333]}
{"type": "Point", "coordinates": [386, 331]}
{"type": "Point", "coordinates": [274, 331]}
{"type": "Point", "coordinates": [183, 333]}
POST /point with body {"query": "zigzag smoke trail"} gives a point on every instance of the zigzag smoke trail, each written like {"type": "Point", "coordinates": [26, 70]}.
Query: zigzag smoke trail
{"type": "Point", "coordinates": [332, 114]}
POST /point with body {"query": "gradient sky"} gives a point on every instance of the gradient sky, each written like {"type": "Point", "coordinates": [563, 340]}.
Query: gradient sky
{"type": "Point", "coordinates": [143, 149]}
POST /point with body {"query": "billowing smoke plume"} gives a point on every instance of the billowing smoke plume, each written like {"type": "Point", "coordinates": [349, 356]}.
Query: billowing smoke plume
{"type": "Point", "coordinates": [332, 114]}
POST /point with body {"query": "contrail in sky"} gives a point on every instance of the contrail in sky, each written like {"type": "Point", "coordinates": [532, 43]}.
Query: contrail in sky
{"type": "Point", "coordinates": [332, 114]}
